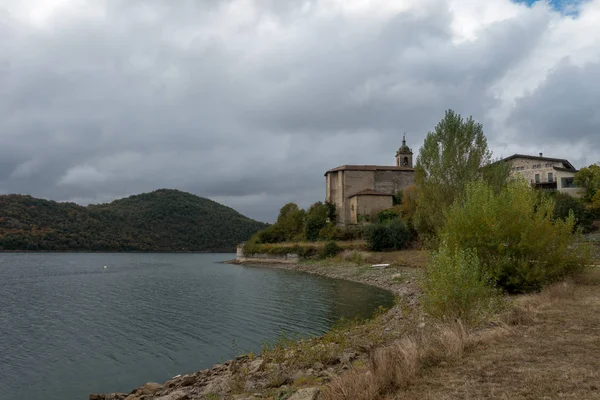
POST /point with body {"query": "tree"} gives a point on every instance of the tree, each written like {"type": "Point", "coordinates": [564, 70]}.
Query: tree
{"type": "Point", "coordinates": [316, 219]}
{"type": "Point", "coordinates": [454, 154]}
{"type": "Point", "coordinates": [588, 178]}
{"type": "Point", "coordinates": [291, 221]}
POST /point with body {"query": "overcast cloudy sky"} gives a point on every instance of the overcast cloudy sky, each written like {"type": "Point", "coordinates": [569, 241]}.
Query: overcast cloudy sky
{"type": "Point", "coordinates": [249, 102]}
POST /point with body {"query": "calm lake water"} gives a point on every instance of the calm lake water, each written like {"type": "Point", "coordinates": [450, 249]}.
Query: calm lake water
{"type": "Point", "coordinates": [70, 327]}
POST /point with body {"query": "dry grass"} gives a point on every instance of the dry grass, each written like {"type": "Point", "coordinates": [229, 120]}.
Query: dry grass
{"type": "Point", "coordinates": [396, 366]}
{"type": "Point", "coordinates": [555, 354]}
{"type": "Point", "coordinates": [547, 347]}
{"type": "Point", "coordinates": [407, 258]}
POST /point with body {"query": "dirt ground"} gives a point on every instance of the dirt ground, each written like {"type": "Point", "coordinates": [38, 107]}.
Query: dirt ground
{"type": "Point", "coordinates": [555, 355]}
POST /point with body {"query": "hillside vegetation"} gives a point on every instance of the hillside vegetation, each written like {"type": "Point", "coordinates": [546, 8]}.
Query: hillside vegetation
{"type": "Point", "coordinates": [163, 220]}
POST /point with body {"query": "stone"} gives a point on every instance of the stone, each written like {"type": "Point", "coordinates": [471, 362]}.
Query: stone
{"type": "Point", "coordinates": [176, 395]}
{"type": "Point", "coordinates": [256, 365]}
{"type": "Point", "coordinates": [218, 385]}
{"type": "Point", "coordinates": [149, 388]}
{"type": "Point", "coordinates": [95, 396]}
{"type": "Point", "coordinates": [318, 366]}
{"type": "Point", "coordinates": [188, 380]}
{"type": "Point", "coordinates": [132, 397]}
{"type": "Point", "coordinates": [306, 394]}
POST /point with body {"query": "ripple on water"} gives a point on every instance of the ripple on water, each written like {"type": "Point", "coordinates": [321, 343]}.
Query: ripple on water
{"type": "Point", "coordinates": [69, 327]}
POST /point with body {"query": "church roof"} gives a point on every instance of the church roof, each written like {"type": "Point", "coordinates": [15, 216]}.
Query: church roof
{"type": "Point", "coordinates": [368, 168]}
{"type": "Point", "coordinates": [370, 192]}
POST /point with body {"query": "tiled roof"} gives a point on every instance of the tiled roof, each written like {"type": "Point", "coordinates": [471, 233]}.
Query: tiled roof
{"type": "Point", "coordinates": [368, 168]}
{"type": "Point", "coordinates": [569, 166]}
{"type": "Point", "coordinates": [564, 169]}
{"type": "Point", "coordinates": [370, 192]}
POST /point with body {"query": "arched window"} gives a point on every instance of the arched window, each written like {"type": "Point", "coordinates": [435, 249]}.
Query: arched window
{"type": "Point", "coordinates": [405, 162]}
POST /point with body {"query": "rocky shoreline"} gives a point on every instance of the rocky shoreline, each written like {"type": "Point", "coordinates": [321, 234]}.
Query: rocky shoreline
{"type": "Point", "coordinates": [297, 370]}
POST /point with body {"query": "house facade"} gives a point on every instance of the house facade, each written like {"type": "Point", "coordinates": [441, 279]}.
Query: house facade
{"type": "Point", "coordinates": [545, 172]}
{"type": "Point", "coordinates": [361, 191]}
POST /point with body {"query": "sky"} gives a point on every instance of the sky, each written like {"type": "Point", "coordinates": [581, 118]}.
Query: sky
{"type": "Point", "coordinates": [249, 102]}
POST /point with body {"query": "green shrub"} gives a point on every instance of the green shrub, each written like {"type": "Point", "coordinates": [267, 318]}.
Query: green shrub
{"type": "Point", "coordinates": [457, 286]}
{"type": "Point", "coordinates": [347, 233]}
{"type": "Point", "coordinates": [387, 216]}
{"type": "Point", "coordinates": [564, 204]}
{"type": "Point", "coordinates": [393, 235]}
{"type": "Point", "coordinates": [515, 236]}
{"type": "Point", "coordinates": [331, 249]}
{"type": "Point", "coordinates": [329, 232]}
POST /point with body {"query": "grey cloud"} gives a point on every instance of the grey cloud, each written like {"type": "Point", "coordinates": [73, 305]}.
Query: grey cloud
{"type": "Point", "coordinates": [161, 94]}
{"type": "Point", "coordinates": [562, 112]}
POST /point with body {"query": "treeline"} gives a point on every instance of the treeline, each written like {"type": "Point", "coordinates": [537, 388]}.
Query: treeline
{"type": "Point", "coordinates": [318, 223]}
{"type": "Point", "coordinates": [163, 220]}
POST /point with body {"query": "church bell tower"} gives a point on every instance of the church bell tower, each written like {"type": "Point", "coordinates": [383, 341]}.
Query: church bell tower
{"type": "Point", "coordinates": [404, 155]}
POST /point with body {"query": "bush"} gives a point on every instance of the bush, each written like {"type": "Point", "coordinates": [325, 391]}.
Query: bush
{"type": "Point", "coordinates": [564, 204]}
{"type": "Point", "coordinates": [515, 236]}
{"type": "Point", "coordinates": [348, 233]}
{"type": "Point", "coordinates": [393, 235]}
{"type": "Point", "coordinates": [457, 286]}
{"type": "Point", "coordinates": [331, 249]}
{"type": "Point", "coordinates": [387, 215]}
{"type": "Point", "coordinates": [329, 232]}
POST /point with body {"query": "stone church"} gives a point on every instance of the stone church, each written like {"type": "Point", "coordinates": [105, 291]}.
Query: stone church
{"type": "Point", "coordinates": [359, 192]}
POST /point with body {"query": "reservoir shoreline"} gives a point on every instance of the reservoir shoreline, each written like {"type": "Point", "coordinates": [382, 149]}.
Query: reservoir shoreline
{"type": "Point", "coordinates": [250, 376]}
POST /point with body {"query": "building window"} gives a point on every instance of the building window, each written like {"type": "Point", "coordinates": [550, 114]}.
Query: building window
{"type": "Point", "coordinates": [567, 183]}
{"type": "Point", "coordinates": [537, 178]}
{"type": "Point", "coordinates": [550, 177]}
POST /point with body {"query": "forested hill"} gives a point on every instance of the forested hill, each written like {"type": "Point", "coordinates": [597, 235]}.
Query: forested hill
{"type": "Point", "coordinates": [164, 220]}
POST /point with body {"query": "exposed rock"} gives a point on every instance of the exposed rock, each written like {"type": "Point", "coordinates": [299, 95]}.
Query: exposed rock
{"type": "Point", "coordinates": [306, 394]}
{"type": "Point", "coordinates": [256, 365]}
{"type": "Point", "coordinates": [110, 396]}
{"type": "Point", "coordinates": [218, 385]}
{"type": "Point", "coordinates": [188, 380]}
{"type": "Point", "coordinates": [176, 395]}
{"type": "Point", "coordinates": [149, 388]}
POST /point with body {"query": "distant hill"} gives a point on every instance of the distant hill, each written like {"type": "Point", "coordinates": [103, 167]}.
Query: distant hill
{"type": "Point", "coordinates": [163, 220]}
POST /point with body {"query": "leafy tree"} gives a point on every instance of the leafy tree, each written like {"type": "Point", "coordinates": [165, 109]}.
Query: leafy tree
{"type": "Point", "coordinates": [316, 219]}
{"type": "Point", "coordinates": [588, 178]}
{"type": "Point", "coordinates": [291, 222]}
{"type": "Point", "coordinates": [454, 154]}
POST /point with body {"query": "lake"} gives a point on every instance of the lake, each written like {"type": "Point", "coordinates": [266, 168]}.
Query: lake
{"type": "Point", "coordinates": [70, 327]}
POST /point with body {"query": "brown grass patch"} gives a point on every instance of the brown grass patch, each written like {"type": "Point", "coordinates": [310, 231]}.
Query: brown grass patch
{"type": "Point", "coordinates": [552, 353]}
{"type": "Point", "coordinates": [396, 366]}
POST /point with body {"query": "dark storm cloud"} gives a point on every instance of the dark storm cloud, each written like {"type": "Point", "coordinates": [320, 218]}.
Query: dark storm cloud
{"type": "Point", "coordinates": [246, 102]}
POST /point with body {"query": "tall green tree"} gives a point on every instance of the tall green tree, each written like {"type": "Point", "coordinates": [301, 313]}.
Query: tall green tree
{"type": "Point", "coordinates": [588, 178]}
{"type": "Point", "coordinates": [291, 222]}
{"type": "Point", "coordinates": [454, 154]}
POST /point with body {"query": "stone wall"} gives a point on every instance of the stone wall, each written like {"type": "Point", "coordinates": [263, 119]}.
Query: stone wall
{"type": "Point", "coordinates": [391, 182]}
{"type": "Point", "coordinates": [368, 206]}
{"type": "Point", "coordinates": [528, 168]}
{"type": "Point", "coordinates": [290, 258]}
{"type": "Point", "coordinates": [354, 182]}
